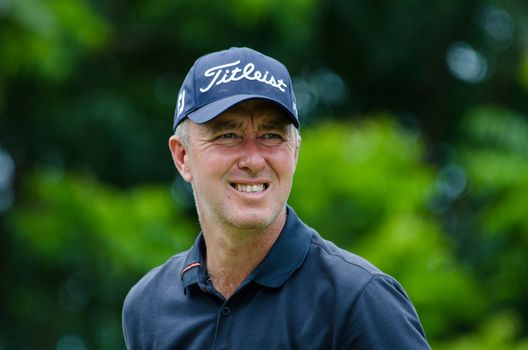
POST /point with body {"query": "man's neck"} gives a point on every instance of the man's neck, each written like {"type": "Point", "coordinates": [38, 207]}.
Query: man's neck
{"type": "Point", "coordinates": [233, 255]}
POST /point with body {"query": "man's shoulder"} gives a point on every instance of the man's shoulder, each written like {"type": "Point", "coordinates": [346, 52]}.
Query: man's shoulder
{"type": "Point", "coordinates": [348, 270]}
{"type": "Point", "coordinates": [377, 298]}
{"type": "Point", "coordinates": [156, 280]}
{"type": "Point", "coordinates": [343, 259]}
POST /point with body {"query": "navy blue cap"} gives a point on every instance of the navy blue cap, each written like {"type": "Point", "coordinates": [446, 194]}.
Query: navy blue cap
{"type": "Point", "coordinates": [220, 80]}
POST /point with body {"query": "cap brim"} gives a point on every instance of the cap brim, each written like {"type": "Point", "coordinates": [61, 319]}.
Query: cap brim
{"type": "Point", "coordinates": [214, 109]}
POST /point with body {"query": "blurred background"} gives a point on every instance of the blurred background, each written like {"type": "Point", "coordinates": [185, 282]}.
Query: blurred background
{"type": "Point", "coordinates": [414, 154]}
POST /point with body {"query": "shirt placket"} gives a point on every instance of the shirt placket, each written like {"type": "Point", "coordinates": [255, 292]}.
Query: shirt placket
{"type": "Point", "coordinates": [224, 321]}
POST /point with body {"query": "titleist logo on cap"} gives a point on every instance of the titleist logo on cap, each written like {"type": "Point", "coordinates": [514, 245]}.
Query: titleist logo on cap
{"type": "Point", "coordinates": [220, 80]}
{"type": "Point", "coordinates": [222, 75]}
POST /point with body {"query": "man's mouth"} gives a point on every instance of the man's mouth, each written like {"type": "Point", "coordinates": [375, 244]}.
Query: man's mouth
{"type": "Point", "coordinates": [250, 188]}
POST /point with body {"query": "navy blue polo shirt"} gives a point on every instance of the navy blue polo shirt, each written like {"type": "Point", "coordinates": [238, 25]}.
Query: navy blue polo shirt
{"type": "Point", "coordinates": [306, 294]}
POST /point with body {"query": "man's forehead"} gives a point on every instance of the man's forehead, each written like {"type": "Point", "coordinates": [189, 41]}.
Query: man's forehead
{"type": "Point", "coordinates": [266, 114]}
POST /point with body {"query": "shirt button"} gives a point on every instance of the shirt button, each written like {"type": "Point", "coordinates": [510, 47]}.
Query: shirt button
{"type": "Point", "coordinates": [226, 310]}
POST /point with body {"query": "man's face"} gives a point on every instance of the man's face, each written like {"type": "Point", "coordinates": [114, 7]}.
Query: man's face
{"type": "Point", "coordinates": [241, 166]}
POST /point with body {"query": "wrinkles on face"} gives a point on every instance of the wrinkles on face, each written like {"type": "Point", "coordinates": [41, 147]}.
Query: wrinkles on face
{"type": "Point", "coordinates": [242, 164]}
{"type": "Point", "coordinates": [258, 130]}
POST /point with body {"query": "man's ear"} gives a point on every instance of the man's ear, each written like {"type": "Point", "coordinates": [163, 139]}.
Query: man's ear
{"type": "Point", "coordinates": [296, 154]}
{"type": "Point", "coordinates": [180, 156]}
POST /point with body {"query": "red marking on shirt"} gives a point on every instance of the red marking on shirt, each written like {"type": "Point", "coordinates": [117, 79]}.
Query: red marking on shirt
{"type": "Point", "coordinates": [188, 267]}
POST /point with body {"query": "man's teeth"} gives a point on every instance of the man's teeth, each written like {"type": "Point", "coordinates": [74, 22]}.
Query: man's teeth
{"type": "Point", "coordinates": [250, 188]}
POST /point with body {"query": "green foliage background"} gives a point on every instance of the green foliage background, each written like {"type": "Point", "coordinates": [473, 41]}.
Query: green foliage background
{"type": "Point", "coordinates": [414, 152]}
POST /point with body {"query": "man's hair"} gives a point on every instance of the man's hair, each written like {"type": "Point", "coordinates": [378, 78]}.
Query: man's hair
{"type": "Point", "coordinates": [182, 133]}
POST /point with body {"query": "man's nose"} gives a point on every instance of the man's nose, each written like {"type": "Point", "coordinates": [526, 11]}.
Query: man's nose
{"type": "Point", "coordinates": [252, 159]}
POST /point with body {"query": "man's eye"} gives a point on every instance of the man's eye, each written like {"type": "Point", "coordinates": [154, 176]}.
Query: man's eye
{"type": "Point", "coordinates": [271, 139]}
{"type": "Point", "coordinates": [272, 136]}
{"type": "Point", "coordinates": [227, 136]}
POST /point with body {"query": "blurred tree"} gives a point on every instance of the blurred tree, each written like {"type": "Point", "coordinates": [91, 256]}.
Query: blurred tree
{"type": "Point", "coordinates": [45, 40]}
{"type": "Point", "coordinates": [500, 332]}
{"type": "Point", "coordinates": [492, 220]}
{"type": "Point", "coordinates": [75, 250]}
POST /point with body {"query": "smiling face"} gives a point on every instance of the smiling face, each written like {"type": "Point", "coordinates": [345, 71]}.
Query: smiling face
{"type": "Point", "coordinates": [241, 166]}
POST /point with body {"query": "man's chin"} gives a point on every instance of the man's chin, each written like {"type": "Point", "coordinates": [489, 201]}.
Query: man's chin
{"type": "Point", "coordinates": [253, 223]}
{"type": "Point", "coordinates": [255, 220]}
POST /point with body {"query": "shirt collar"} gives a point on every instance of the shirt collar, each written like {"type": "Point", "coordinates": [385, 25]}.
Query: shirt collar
{"type": "Point", "coordinates": [194, 264]}
{"type": "Point", "coordinates": [286, 255]}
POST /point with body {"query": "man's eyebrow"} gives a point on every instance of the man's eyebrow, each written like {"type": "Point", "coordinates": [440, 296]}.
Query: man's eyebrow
{"type": "Point", "coordinates": [273, 124]}
{"type": "Point", "coordinates": [218, 126]}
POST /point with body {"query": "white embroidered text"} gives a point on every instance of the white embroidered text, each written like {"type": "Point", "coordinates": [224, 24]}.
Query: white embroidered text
{"type": "Point", "coordinates": [222, 75]}
{"type": "Point", "coordinates": [181, 102]}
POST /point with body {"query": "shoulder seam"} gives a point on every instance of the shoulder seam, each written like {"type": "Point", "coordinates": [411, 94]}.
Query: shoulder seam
{"type": "Point", "coordinates": [372, 277]}
{"type": "Point", "coordinates": [372, 274]}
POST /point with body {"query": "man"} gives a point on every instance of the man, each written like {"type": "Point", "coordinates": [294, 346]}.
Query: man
{"type": "Point", "coordinates": [257, 277]}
